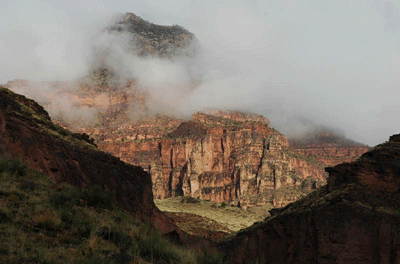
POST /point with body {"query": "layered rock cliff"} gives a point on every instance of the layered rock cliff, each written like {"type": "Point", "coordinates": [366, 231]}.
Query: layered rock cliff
{"type": "Point", "coordinates": [354, 219]}
{"type": "Point", "coordinates": [221, 156]}
{"type": "Point", "coordinates": [27, 132]}
{"type": "Point", "coordinates": [327, 146]}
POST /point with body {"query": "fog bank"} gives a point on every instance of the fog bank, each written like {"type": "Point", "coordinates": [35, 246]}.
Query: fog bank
{"type": "Point", "coordinates": [336, 63]}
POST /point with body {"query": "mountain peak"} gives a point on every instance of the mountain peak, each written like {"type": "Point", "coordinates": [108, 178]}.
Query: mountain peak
{"type": "Point", "coordinates": [156, 40]}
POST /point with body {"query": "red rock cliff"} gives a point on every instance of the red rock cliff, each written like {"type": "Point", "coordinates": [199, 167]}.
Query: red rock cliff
{"type": "Point", "coordinates": [329, 147]}
{"type": "Point", "coordinates": [218, 158]}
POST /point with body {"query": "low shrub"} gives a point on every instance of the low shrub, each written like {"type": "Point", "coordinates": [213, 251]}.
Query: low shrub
{"type": "Point", "coordinates": [66, 197]}
{"type": "Point", "coordinates": [120, 239]}
{"type": "Point", "coordinates": [94, 260]}
{"type": "Point", "coordinates": [97, 197]}
{"type": "Point", "coordinates": [4, 217]}
{"type": "Point", "coordinates": [207, 257]}
{"type": "Point", "coordinates": [47, 220]}
{"type": "Point", "coordinates": [94, 196]}
{"type": "Point", "coordinates": [13, 166]}
{"type": "Point", "coordinates": [152, 247]}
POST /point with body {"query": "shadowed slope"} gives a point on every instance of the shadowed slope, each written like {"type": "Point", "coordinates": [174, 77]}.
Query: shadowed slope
{"type": "Point", "coordinates": [27, 133]}
{"type": "Point", "coordinates": [354, 219]}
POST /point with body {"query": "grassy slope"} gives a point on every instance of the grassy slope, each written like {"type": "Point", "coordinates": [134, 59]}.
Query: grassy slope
{"type": "Point", "coordinates": [39, 224]}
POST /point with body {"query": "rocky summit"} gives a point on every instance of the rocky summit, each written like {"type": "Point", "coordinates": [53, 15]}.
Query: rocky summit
{"type": "Point", "coordinates": [148, 39]}
{"type": "Point", "coordinates": [137, 37]}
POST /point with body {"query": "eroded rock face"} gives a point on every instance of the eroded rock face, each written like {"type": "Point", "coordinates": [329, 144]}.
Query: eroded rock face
{"type": "Point", "coordinates": [26, 132]}
{"type": "Point", "coordinates": [329, 147]}
{"type": "Point", "coordinates": [149, 39]}
{"type": "Point", "coordinates": [218, 158]}
{"type": "Point", "coordinates": [354, 219]}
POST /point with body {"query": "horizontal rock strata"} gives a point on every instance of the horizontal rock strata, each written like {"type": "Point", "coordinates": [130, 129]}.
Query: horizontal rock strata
{"type": "Point", "coordinates": [218, 158]}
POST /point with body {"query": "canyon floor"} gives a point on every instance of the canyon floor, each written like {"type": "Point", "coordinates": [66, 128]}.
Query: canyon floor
{"type": "Point", "coordinates": [208, 219]}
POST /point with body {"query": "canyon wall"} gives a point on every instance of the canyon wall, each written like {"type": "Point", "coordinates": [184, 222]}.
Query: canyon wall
{"type": "Point", "coordinates": [222, 157]}
{"type": "Point", "coordinates": [333, 155]}
{"type": "Point", "coordinates": [328, 146]}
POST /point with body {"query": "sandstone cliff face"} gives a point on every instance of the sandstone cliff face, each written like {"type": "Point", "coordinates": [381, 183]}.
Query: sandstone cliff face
{"type": "Point", "coordinates": [328, 147]}
{"type": "Point", "coordinates": [26, 132]}
{"type": "Point", "coordinates": [218, 158]}
{"type": "Point", "coordinates": [354, 219]}
{"type": "Point", "coordinates": [332, 155]}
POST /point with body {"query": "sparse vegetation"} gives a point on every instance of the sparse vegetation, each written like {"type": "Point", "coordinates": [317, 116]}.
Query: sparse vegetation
{"type": "Point", "coordinates": [231, 217]}
{"type": "Point", "coordinates": [41, 224]}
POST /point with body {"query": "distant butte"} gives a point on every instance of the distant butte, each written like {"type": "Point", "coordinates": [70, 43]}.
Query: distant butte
{"type": "Point", "coordinates": [327, 146]}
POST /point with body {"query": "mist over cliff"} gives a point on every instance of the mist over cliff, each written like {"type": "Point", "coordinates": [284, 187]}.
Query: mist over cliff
{"type": "Point", "coordinates": [333, 63]}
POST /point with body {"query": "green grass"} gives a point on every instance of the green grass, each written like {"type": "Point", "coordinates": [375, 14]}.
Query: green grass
{"type": "Point", "coordinates": [41, 224]}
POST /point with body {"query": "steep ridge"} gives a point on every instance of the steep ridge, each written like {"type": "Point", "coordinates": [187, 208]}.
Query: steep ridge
{"type": "Point", "coordinates": [354, 219]}
{"type": "Point", "coordinates": [327, 146]}
{"type": "Point", "coordinates": [28, 133]}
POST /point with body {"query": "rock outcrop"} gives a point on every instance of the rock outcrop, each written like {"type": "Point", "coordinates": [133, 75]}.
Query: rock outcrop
{"type": "Point", "coordinates": [354, 219]}
{"type": "Point", "coordinates": [27, 132]}
{"type": "Point", "coordinates": [148, 39]}
{"type": "Point", "coordinates": [327, 146]}
{"type": "Point", "coordinates": [138, 38]}
{"type": "Point", "coordinates": [221, 156]}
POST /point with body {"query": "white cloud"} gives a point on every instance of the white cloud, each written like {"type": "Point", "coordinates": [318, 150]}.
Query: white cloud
{"type": "Point", "coordinates": [335, 62]}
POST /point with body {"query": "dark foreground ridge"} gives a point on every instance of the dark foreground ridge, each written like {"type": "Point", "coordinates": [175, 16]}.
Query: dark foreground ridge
{"type": "Point", "coordinates": [28, 133]}
{"type": "Point", "coordinates": [354, 219]}
{"type": "Point", "coordinates": [82, 202]}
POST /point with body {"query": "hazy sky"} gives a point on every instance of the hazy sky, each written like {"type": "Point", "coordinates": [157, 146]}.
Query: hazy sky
{"type": "Point", "coordinates": [334, 62]}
